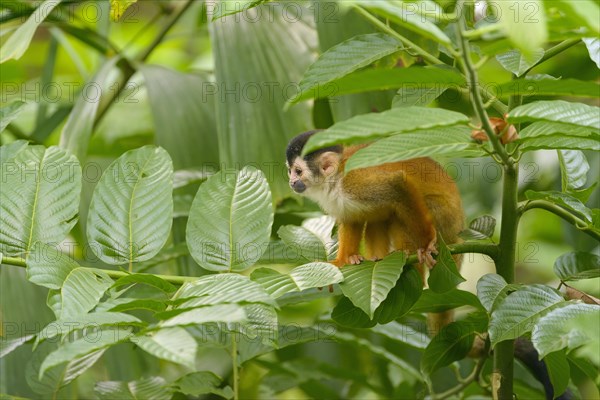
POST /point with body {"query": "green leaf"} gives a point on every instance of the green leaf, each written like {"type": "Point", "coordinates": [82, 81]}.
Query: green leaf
{"type": "Point", "coordinates": [452, 141]}
{"type": "Point", "coordinates": [83, 346]}
{"type": "Point", "coordinates": [587, 11]}
{"type": "Point", "coordinates": [538, 129]}
{"type": "Point", "coordinates": [492, 289]}
{"type": "Point", "coordinates": [404, 334]}
{"type": "Point", "coordinates": [562, 199]}
{"type": "Point", "coordinates": [118, 8]}
{"type": "Point", "coordinates": [567, 327]}
{"type": "Point", "coordinates": [39, 200]}
{"type": "Point", "coordinates": [147, 279]}
{"type": "Point", "coordinates": [431, 301]}
{"type": "Point", "coordinates": [404, 15]}
{"type": "Point", "coordinates": [586, 367]}
{"type": "Point", "coordinates": [9, 112]}
{"type": "Point", "coordinates": [81, 291]}
{"type": "Point", "coordinates": [76, 133]}
{"type": "Point", "coordinates": [136, 304]}
{"type": "Point", "coordinates": [368, 284]}
{"type": "Point", "coordinates": [558, 111]}
{"type": "Point", "coordinates": [18, 42]}
{"type": "Point", "coordinates": [258, 84]}
{"type": "Point", "coordinates": [518, 63]}
{"type": "Point", "coordinates": [203, 315]}
{"type": "Point", "coordinates": [549, 87]}
{"type": "Point", "coordinates": [524, 22]}
{"type": "Point", "coordinates": [573, 169]}
{"type": "Point", "coordinates": [444, 276]}
{"type": "Point", "coordinates": [9, 151]}
{"type": "Point", "coordinates": [398, 302]}
{"type": "Point", "coordinates": [202, 382]}
{"type": "Point", "coordinates": [559, 371]}
{"type": "Point", "coordinates": [593, 47]}
{"type": "Point", "coordinates": [230, 220]}
{"type": "Point", "coordinates": [312, 275]}
{"type": "Point", "coordinates": [8, 345]}
{"type": "Point", "coordinates": [384, 79]}
{"type": "Point", "coordinates": [578, 265]}
{"type": "Point", "coordinates": [64, 327]}
{"type": "Point", "coordinates": [560, 142]}
{"type": "Point", "coordinates": [312, 240]}
{"type": "Point", "coordinates": [223, 288]}
{"type": "Point", "coordinates": [56, 377]}
{"type": "Point", "coordinates": [342, 59]}
{"type": "Point", "coordinates": [189, 97]}
{"type": "Point", "coordinates": [154, 387]}
{"type": "Point", "coordinates": [130, 215]}
{"type": "Point", "coordinates": [173, 344]}
{"type": "Point", "coordinates": [48, 267]}
{"type": "Point", "coordinates": [480, 228]}
{"type": "Point", "coordinates": [372, 126]}
{"type": "Point", "coordinates": [417, 95]}
{"type": "Point", "coordinates": [520, 310]}
{"type": "Point", "coordinates": [453, 342]}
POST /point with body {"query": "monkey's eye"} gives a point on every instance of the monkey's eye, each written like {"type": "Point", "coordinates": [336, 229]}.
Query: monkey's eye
{"type": "Point", "coordinates": [298, 171]}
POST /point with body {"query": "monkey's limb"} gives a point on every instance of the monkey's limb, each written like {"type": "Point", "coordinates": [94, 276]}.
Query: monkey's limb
{"type": "Point", "coordinates": [349, 236]}
{"type": "Point", "coordinates": [377, 240]}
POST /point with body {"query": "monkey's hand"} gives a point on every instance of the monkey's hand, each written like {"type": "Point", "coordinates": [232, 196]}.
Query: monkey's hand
{"type": "Point", "coordinates": [353, 259]}
{"type": "Point", "coordinates": [425, 254]}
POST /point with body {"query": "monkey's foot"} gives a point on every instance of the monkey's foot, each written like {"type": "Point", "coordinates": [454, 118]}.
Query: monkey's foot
{"type": "Point", "coordinates": [354, 259]}
{"type": "Point", "coordinates": [425, 255]}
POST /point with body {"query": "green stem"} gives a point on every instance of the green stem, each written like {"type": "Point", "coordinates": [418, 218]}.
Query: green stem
{"type": "Point", "coordinates": [463, 384]}
{"type": "Point", "coordinates": [234, 350]}
{"type": "Point", "coordinates": [561, 212]}
{"type": "Point", "coordinates": [551, 52]}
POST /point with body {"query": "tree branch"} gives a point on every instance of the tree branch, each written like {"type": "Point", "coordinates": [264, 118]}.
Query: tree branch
{"type": "Point", "coordinates": [564, 214]}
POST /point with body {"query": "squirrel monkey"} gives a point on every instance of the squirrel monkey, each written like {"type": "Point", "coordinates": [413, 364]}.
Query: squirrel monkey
{"type": "Point", "coordinates": [398, 206]}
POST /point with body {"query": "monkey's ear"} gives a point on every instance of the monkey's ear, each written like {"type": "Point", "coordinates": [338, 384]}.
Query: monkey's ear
{"type": "Point", "coordinates": [329, 162]}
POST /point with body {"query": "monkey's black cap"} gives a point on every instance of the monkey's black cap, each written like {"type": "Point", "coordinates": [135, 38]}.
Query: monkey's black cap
{"type": "Point", "coordinates": [295, 146]}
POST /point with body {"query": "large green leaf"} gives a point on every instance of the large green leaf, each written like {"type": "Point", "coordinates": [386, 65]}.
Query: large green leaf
{"type": "Point", "coordinates": [131, 211]}
{"type": "Point", "coordinates": [75, 135]}
{"type": "Point", "coordinates": [202, 315]}
{"type": "Point", "coordinates": [300, 278]}
{"type": "Point", "coordinates": [252, 126]}
{"type": "Point", "coordinates": [567, 327]}
{"type": "Point", "coordinates": [417, 95]}
{"type": "Point", "coordinates": [549, 87]}
{"type": "Point", "coordinates": [404, 15]}
{"type": "Point", "coordinates": [9, 112]}
{"type": "Point", "coordinates": [312, 240]}
{"type": "Point", "coordinates": [557, 111]}
{"type": "Point", "coordinates": [81, 291]}
{"type": "Point", "coordinates": [554, 129]}
{"type": "Point", "coordinates": [480, 228]}
{"type": "Point", "coordinates": [445, 275]}
{"type": "Point", "coordinates": [403, 333]}
{"type": "Point", "coordinates": [8, 345]}
{"type": "Point", "coordinates": [39, 200]}
{"type": "Point", "coordinates": [451, 141]}
{"type": "Point", "coordinates": [384, 79]}
{"type": "Point", "coordinates": [19, 41]}
{"type": "Point", "coordinates": [371, 126]}
{"type": "Point", "coordinates": [518, 63]}
{"type": "Point", "coordinates": [173, 344]}
{"type": "Point", "coordinates": [564, 200]}
{"type": "Point", "coordinates": [492, 289]}
{"type": "Point", "coordinates": [202, 382]}
{"type": "Point", "coordinates": [147, 279]}
{"type": "Point", "coordinates": [524, 22]}
{"type": "Point", "coordinates": [49, 267]}
{"type": "Point", "coordinates": [453, 342]}
{"type": "Point", "coordinates": [593, 46]}
{"type": "Point", "coordinates": [517, 314]}
{"type": "Point", "coordinates": [368, 284]}
{"type": "Point", "coordinates": [83, 346]}
{"type": "Point", "coordinates": [9, 151]}
{"type": "Point", "coordinates": [559, 371]}
{"type": "Point", "coordinates": [561, 142]}
{"type": "Point", "coordinates": [154, 388]}
{"type": "Point", "coordinates": [586, 11]}
{"type": "Point", "coordinates": [431, 301]}
{"type": "Point", "coordinates": [342, 59]}
{"type": "Point", "coordinates": [187, 96]}
{"type": "Point", "coordinates": [576, 266]}
{"type": "Point", "coordinates": [573, 169]}
{"type": "Point", "coordinates": [230, 220]}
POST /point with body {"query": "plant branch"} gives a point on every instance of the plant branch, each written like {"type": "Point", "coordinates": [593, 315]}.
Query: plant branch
{"type": "Point", "coordinates": [561, 212]}
{"type": "Point", "coordinates": [553, 51]}
{"type": "Point", "coordinates": [236, 383]}
{"type": "Point", "coordinates": [473, 376]}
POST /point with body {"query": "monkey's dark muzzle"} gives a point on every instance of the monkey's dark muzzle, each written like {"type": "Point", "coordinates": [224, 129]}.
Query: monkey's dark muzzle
{"type": "Point", "coordinates": [298, 186]}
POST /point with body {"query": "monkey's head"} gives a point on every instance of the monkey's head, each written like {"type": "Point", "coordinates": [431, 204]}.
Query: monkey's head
{"type": "Point", "coordinates": [310, 172]}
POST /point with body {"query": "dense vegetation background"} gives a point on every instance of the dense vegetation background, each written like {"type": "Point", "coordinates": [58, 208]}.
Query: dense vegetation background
{"type": "Point", "coordinates": [208, 101]}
